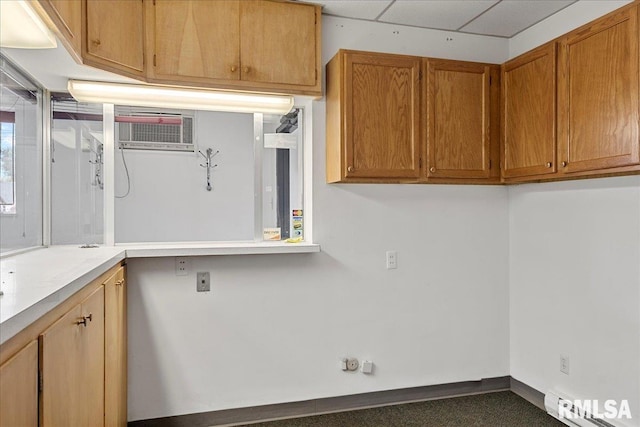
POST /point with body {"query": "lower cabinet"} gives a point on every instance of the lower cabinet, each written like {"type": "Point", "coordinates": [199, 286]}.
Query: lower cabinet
{"type": "Point", "coordinates": [115, 351]}
{"type": "Point", "coordinates": [19, 388]}
{"type": "Point", "coordinates": [72, 355]}
{"type": "Point", "coordinates": [69, 368]}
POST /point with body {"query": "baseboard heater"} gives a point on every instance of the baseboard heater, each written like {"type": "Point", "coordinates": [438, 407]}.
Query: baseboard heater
{"type": "Point", "coordinates": [580, 417]}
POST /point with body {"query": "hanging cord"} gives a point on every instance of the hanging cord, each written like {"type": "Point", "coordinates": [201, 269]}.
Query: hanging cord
{"type": "Point", "coordinates": [126, 169]}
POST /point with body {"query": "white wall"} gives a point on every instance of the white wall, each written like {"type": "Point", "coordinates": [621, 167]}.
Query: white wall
{"type": "Point", "coordinates": [169, 200]}
{"type": "Point", "coordinates": [274, 327]}
{"type": "Point", "coordinates": [570, 18]}
{"type": "Point", "coordinates": [575, 287]}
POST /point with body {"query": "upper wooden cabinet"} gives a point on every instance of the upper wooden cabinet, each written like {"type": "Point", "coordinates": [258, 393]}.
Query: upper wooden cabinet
{"type": "Point", "coordinates": [373, 122]}
{"type": "Point", "coordinates": [458, 118]}
{"type": "Point", "coordinates": [66, 16]}
{"type": "Point", "coordinates": [598, 95]}
{"type": "Point", "coordinates": [115, 36]}
{"type": "Point", "coordinates": [19, 388]}
{"type": "Point", "coordinates": [249, 44]}
{"type": "Point", "coordinates": [195, 39]}
{"type": "Point", "coordinates": [529, 113]}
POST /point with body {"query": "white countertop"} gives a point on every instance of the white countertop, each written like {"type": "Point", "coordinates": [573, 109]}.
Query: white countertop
{"type": "Point", "coordinates": [35, 282]}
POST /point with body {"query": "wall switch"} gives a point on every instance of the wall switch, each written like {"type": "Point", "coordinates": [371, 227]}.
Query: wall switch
{"type": "Point", "coordinates": [183, 265]}
{"type": "Point", "coordinates": [203, 282]}
{"type": "Point", "coordinates": [564, 364]}
{"type": "Point", "coordinates": [367, 367]}
{"type": "Point", "coordinates": [392, 260]}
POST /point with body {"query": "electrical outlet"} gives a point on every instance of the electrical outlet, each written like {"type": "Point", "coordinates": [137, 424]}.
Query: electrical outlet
{"type": "Point", "coordinates": [183, 265]}
{"type": "Point", "coordinates": [564, 364]}
{"type": "Point", "coordinates": [392, 260]}
{"type": "Point", "coordinates": [203, 283]}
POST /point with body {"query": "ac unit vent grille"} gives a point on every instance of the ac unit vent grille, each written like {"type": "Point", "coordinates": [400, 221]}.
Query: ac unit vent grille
{"type": "Point", "coordinates": [151, 136]}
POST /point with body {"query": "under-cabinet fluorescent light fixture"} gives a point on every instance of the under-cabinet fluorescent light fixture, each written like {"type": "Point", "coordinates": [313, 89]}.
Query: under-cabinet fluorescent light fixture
{"type": "Point", "coordinates": [22, 28]}
{"type": "Point", "coordinates": [181, 98]}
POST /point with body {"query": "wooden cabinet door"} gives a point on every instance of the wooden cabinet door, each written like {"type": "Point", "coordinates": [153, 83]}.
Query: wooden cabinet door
{"type": "Point", "coordinates": [115, 34]}
{"type": "Point", "coordinates": [19, 389]}
{"type": "Point", "coordinates": [381, 116]}
{"type": "Point", "coordinates": [115, 362]}
{"type": "Point", "coordinates": [598, 95]}
{"type": "Point", "coordinates": [195, 38]}
{"type": "Point", "coordinates": [458, 118]}
{"type": "Point", "coordinates": [529, 113]}
{"type": "Point", "coordinates": [72, 364]}
{"type": "Point", "coordinates": [278, 42]}
{"type": "Point", "coordinates": [67, 17]}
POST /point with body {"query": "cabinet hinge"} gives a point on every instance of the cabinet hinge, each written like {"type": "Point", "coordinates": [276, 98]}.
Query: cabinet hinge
{"type": "Point", "coordinates": [40, 387]}
{"type": "Point", "coordinates": [420, 75]}
{"type": "Point", "coordinates": [489, 164]}
{"type": "Point", "coordinates": [154, 59]}
{"type": "Point", "coordinates": [420, 163]}
{"type": "Point", "coordinates": [154, 2]}
{"type": "Point", "coordinates": [490, 80]}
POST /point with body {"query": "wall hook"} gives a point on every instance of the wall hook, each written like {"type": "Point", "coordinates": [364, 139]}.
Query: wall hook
{"type": "Point", "coordinates": [207, 157]}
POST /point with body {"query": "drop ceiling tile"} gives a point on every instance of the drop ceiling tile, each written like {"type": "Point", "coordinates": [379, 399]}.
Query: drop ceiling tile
{"type": "Point", "coordinates": [509, 17]}
{"type": "Point", "coordinates": [445, 15]}
{"type": "Point", "coordinates": [359, 9]}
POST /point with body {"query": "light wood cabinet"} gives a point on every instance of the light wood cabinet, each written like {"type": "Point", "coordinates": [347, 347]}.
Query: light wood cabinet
{"type": "Point", "coordinates": [72, 366]}
{"type": "Point", "coordinates": [66, 16]}
{"type": "Point", "coordinates": [115, 359]}
{"type": "Point", "coordinates": [248, 44]}
{"type": "Point", "coordinates": [196, 39]}
{"type": "Point", "coordinates": [114, 37]}
{"type": "Point", "coordinates": [373, 117]}
{"type": "Point", "coordinates": [19, 388]}
{"type": "Point", "coordinates": [458, 118]}
{"type": "Point", "coordinates": [529, 113]}
{"type": "Point", "coordinates": [598, 95]}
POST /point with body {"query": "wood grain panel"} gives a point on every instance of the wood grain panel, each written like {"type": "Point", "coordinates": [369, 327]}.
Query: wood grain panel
{"type": "Point", "coordinates": [458, 119]}
{"type": "Point", "coordinates": [598, 95]}
{"type": "Point", "coordinates": [529, 113]}
{"type": "Point", "coordinates": [278, 42]}
{"type": "Point", "coordinates": [72, 364]}
{"type": "Point", "coordinates": [197, 39]}
{"type": "Point", "coordinates": [62, 385]}
{"type": "Point", "coordinates": [381, 116]}
{"type": "Point", "coordinates": [115, 363]}
{"type": "Point", "coordinates": [19, 389]}
{"type": "Point", "coordinates": [115, 34]}
{"type": "Point", "coordinates": [66, 16]}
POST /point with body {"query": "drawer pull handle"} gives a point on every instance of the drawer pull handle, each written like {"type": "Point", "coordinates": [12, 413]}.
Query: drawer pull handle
{"type": "Point", "coordinates": [564, 164]}
{"type": "Point", "coordinates": [432, 169]}
{"type": "Point", "coordinates": [549, 164]}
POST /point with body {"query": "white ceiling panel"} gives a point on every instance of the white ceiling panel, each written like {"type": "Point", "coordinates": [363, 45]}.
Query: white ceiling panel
{"type": "Point", "coordinates": [445, 15]}
{"type": "Point", "coordinates": [510, 17]}
{"type": "Point", "coordinates": [359, 9]}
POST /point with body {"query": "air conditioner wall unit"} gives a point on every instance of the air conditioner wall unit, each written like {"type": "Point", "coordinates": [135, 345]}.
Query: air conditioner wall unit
{"type": "Point", "coordinates": [152, 130]}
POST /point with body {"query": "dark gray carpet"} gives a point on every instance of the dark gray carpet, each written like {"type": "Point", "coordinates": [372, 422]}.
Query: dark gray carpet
{"type": "Point", "coordinates": [502, 409]}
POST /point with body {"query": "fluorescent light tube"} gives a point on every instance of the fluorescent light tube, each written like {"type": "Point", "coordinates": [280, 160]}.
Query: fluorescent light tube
{"type": "Point", "coordinates": [181, 98]}
{"type": "Point", "coordinates": [22, 28]}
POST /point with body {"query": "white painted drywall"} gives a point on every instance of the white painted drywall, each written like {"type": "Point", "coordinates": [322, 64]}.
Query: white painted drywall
{"type": "Point", "coordinates": [169, 201]}
{"type": "Point", "coordinates": [570, 18]}
{"type": "Point", "coordinates": [575, 288]}
{"type": "Point", "coordinates": [273, 328]}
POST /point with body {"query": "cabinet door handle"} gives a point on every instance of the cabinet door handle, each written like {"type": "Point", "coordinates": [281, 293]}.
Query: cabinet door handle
{"type": "Point", "coordinates": [247, 70]}
{"type": "Point", "coordinates": [120, 282]}
{"type": "Point", "coordinates": [564, 164]}
{"type": "Point", "coordinates": [549, 164]}
{"type": "Point", "coordinates": [432, 169]}
{"type": "Point", "coordinates": [350, 169]}
{"type": "Point", "coordinates": [82, 322]}
{"type": "Point", "coordinates": [96, 42]}
{"type": "Point", "coordinates": [89, 317]}
{"type": "Point", "coordinates": [234, 68]}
